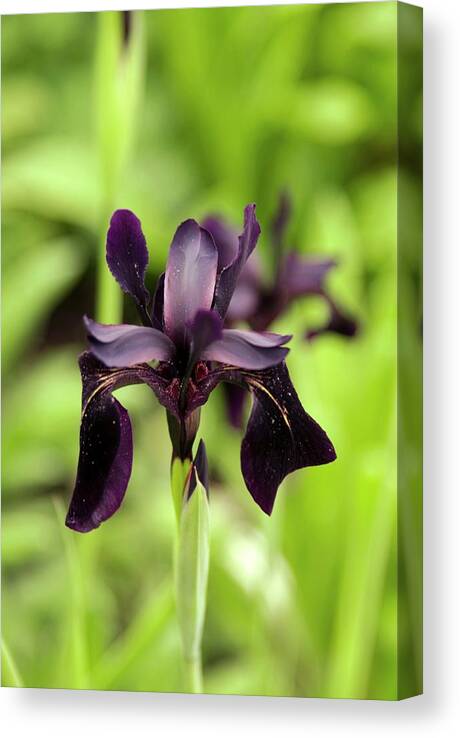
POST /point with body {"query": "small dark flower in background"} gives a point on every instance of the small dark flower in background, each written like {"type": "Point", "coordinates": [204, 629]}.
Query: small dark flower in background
{"type": "Point", "coordinates": [183, 334]}
{"type": "Point", "coordinates": [259, 302]}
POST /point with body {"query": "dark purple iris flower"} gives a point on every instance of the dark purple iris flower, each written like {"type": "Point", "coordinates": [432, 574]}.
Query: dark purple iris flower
{"type": "Point", "coordinates": [259, 303]}
{"type": "Point", "coordinates": [183, 334]}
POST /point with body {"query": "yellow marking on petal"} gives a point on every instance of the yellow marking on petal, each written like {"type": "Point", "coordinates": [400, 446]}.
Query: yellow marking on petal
{"type": "Point", "coordinates": [280, 408]}
{"type": "Point", "coordinates": [105, 384]}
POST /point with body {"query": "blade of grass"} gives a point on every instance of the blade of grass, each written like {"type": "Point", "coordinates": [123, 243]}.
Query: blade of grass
{"type": "Point", "coordinates": [361, 595]}
{"type": "Point", "coordinates": [77, 603]}
{"type": "Point", "coordinates": [144, 629]}
{"type": "Point", "coordinates": [11, 676]}
{"type": "Point", "coordinates": [118, 82]}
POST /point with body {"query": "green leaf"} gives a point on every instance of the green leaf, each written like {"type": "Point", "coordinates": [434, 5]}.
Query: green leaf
{"type": "Point", "coordinates": [10, 674]}
{"type": "Point", "coordinates": [119, 72]}
{"type": "Point", "coordinates": [331, 111]}
{"type": "Point", "coordinates": [38, 447]}
{"type": "Point", "coordinates": [118, 84]}
{"type": "Point", "coordinates": [33, 285]}
{"type": "Point", "coordinates": [77, 603]}
{"type": "Point", "coordinates": [54, 177]}
{"type": "Point", "coordinates": [147, 627]}
{"type": "Point", "coordinates": [192, 566]}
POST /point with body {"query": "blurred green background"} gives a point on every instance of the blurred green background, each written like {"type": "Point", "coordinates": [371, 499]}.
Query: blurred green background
{"type": "Point", "coordinates": [211, 110]}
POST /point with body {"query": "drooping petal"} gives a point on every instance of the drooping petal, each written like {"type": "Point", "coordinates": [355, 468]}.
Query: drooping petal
{"type": "Point", "coordinates": [190, 278]}
{"type": "Point", "coordinates": [106, 448]}
{"type": "Point", "coordinates": [127, 255]}
{"type": "Point", "coordinates": [247, 349]}
{"type": "Point", "coordinates": [228, 277]}
{"type": "Point", "coordinates": [280, 437]}
{"type": "Point", "coordinates": [104, 467]}
{"type": "Point", "coordinates": [124, 345]}
{"type": "Point", "coordinates": [300, 275]}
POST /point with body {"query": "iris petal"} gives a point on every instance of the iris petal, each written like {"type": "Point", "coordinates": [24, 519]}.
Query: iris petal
{"type": "Point", "coordinates": [158, 303]}
{"type": "Point", "coordinates": [280, 436]}
{"type": "Point", "coordinates": [229, 275]}
{"type": "Point", "coordinates": [303, 276]}
{"type": "Point", "coordinates": [225, 238]}
{"type": "Point", "coordinates": [205, 329]}
{"type": "Point", "coordinates": [106, 449]}
{"type": "Point", "coordinates": [245, 300]}
{"type": "Point", "coordinates": [247, 349]}
{"type": "Point", "coordinates": [235, 400]}
{"type": "Point", "coordinates": [339, 323]}
{"type": "Point", "coordinates": [190, 278]}
{"type": "Point", "coordinates": [104, 467]}
{"type": "Point", "coordinates": [127, 255]}
{"type": "Point", "coordinates": [124, 345]}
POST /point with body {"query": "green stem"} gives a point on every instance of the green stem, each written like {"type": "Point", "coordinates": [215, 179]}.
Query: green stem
{"type": "Point", "coordinates": [193, 676]}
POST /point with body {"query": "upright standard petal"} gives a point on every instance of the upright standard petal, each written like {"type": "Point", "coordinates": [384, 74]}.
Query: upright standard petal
{"type": "Point", "coordinates": [247, 349]}
{"type": "Point", "coordinates": [127, 255]}
{"type": "Point", "coordinates": [228, 277]}
{"type": "Point", "coordinates": [190, 278]}
{"type": "Point", "coordinates": [125, 345]}
{"type": "Point", "coordinates": [106, 449]}
{"type": "Point", "coordinates": [280, 437]}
